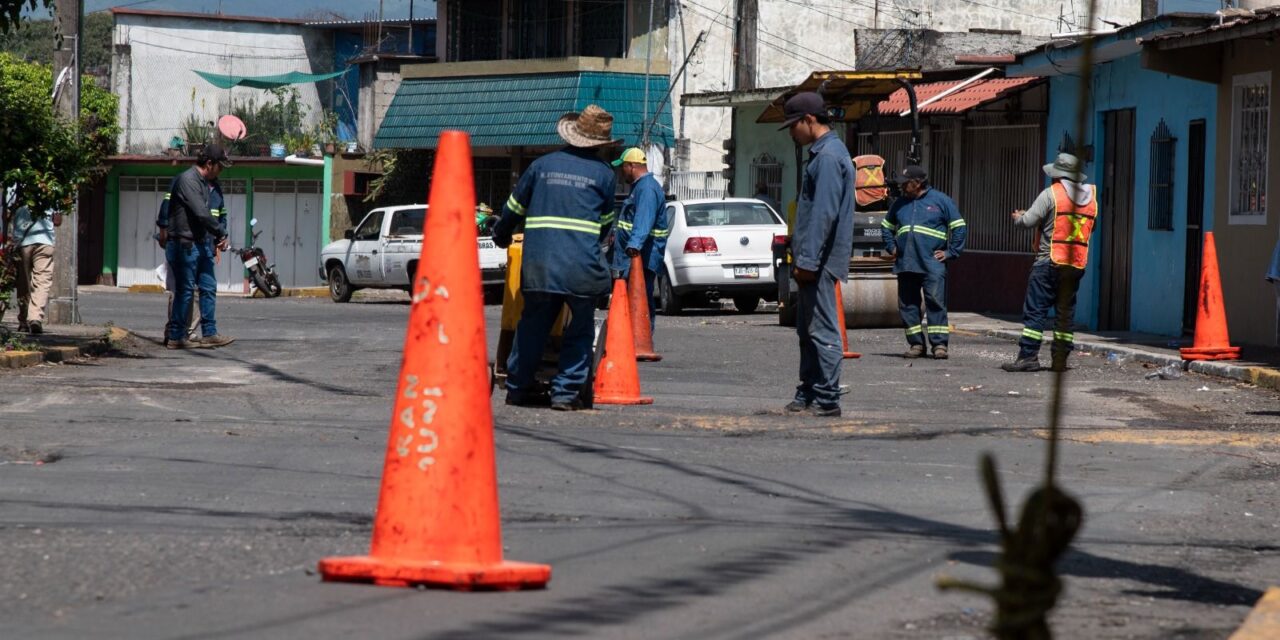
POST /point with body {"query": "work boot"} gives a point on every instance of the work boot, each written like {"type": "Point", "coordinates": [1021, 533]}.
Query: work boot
{"type": "Point", "coordinates": [795, 406]}
{"type": "Point", "coordinates": [567, 405]}
{"type": "Point", "coordinates": [175, 344]}
{"type": "Point", "coordinates": [35, 327]}
{"type": "Point", "coordinates": [1030, 363]}
{"type": "Point", "coordinates": [820, 411]}
{"type": "Point", "coordinates": [216, 340]}
{"type": "Point", "coordinates": [914, 352]}
{"type": "Point", "coordinates": [529, 399]}
{"type": "Point", "coordinates": [939, 353]}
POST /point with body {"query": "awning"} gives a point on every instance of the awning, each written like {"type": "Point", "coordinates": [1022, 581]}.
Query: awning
{"type": "Point", "coordinates": [854, 91]}
{"type": "Point", "coordinates": [971, 96]}
{"type": "Point", "coordinates": [226, 81]}
{"type": "Point", "coordinates": [521, 110]}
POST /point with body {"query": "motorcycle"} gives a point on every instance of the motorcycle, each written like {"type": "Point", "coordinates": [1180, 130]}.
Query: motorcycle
{"type": "Point", "coordinates": [261, 272]}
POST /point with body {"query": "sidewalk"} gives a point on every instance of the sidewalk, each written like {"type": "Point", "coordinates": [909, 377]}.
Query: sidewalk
{"type": "Point", "coordinates": [58, 343]}
{"type": "Point", "coordinates": [1259, 365]}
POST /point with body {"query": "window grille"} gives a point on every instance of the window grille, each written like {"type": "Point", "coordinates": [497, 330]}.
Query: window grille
{"type": "Point", "coordinates": [767, 171]}
{"type": "Point", "coordinates": [1160, 204]}
{"type": "Point", "coordinates": [1251, 106]}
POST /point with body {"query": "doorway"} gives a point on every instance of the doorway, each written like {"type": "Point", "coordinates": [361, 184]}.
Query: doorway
{"type": "Point", "coordinates": [1116, 262]}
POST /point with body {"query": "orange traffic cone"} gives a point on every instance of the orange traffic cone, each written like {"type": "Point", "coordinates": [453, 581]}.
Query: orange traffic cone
{"type": "Point", "coordinates": [638, 296]}
{"type": "Point", "coordinates": [617, 377]}
{"type": "Point", "coordinates": [844, 333]}
{"type": "Point", "coordinates": [1212, 341]}
{"type": "Point", "coordinates": [437, 522]}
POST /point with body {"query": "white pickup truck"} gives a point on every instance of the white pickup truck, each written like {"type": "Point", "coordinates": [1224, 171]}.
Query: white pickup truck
{"type": "Point", "coordinates": [382, 253]}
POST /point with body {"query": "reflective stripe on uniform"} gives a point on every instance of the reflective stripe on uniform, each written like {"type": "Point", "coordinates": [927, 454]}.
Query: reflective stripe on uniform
{"type": "Point", "coordinates": [888, 225]}
{"type": "Point", "coordinates": [1062, 336]}
{"type": "Point", "coordinates": [609, 217]}
{"type": "Point", "coordinates": [942, 329]}
{"type": "Point", "coordinates": [217, 213]}
{"type": "Point", "coordinates": [661, 233]}
{"type": "Point", "coordinates": [956, 223]}
{"type": "Point", "coordinates": [624, 225]}
{"type": "Point", "coordinates": [515, 206]}
{"type": "Point", "coordinates": [1028, 332]}
{"type": "Point", "coordinates": [932, 233]}
{"type": "Point", "coordinates": [568, 224]}
{"type": "Point", "coordinates": [911, 331]}
{"type": "Point", "coordinates": [166, 196]}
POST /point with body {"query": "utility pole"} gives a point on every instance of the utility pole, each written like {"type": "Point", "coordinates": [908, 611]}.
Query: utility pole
{"type": "Point", "coordinates": [63, 307]}
{"type": "Point", "coordinates": [648, 64]}
{"type": "Point", "coordinates": [745, 44]}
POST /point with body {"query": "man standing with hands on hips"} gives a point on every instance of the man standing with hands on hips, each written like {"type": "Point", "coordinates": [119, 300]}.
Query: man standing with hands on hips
{"type": "Point", "coordinates": [820, 248]}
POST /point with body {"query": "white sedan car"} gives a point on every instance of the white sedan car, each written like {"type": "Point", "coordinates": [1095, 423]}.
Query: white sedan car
{"type": "Point", "coordinates": [719, 248]}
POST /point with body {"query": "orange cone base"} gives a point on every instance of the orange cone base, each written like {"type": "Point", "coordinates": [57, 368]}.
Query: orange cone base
{"type": "Point", "coordinates": [599, 399]}
{"type": "Point", "coordinates": [1211, 353]}
{"type": "Point", "coordinates": [647, 357]}
{"type": "Point", "coordinates": [850, 355]}
{"type": "Point", "coordinates": [503, 576]}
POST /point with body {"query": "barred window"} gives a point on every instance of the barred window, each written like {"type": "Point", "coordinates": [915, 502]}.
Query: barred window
{"type": "Point", "coordinates": [1160, 204]}
{"type": "Point", "coordinates": [1250, 108]}
{"type": "Point", "coordinates": [766, 172]}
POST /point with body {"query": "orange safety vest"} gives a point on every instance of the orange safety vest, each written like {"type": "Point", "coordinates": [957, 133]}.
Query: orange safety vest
{"type": "Point", "coordinates": [1072, 227]}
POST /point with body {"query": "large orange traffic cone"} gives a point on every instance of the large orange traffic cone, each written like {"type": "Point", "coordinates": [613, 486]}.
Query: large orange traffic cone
{"type": "Point", "coordinates": [844, 333]}
{"type": "Point", "coordinates": [617, 377]}
{"type": "Point", "coordinates": [437, 522]}
{"type": "Point", "coordinates": [1212, 341]}
{"type": "Point", "coordinates": [638, 296]}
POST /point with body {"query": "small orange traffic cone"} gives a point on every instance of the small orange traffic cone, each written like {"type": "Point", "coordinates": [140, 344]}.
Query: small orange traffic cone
{"type": "Point", "coordinates": [638, 296]}
{"type": "Point", "coordinates": [844, 333]}
{"type": "Point", "coordinates": [617, 377]}
{"type": "Point", "coordinates": [1212, 341]}
{"type": "Point", "coordinates": [437, 522]}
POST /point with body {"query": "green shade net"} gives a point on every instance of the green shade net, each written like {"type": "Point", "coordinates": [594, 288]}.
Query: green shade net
{"type": "Point", "coordinates": [224, 81]}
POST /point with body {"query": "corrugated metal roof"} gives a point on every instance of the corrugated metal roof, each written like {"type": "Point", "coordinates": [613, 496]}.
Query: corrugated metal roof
{"type": "Point", "coordinates": [522, 110]}
{"type": "Point", "coordinates": [1237, 19]}
{"type": "Point", "coordinates": [971, 96]}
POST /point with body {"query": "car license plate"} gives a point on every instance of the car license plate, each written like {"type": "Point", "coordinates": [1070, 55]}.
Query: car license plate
{"type": "Point", "coordinates": [747, 271]}
{"type": "Point", "coordinates": [250, 263]}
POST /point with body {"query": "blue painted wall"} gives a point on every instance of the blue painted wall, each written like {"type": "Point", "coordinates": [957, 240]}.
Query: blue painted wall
{"type": "Point", "coordinates": [1158, 256]}
{"type": "Point", "coordinates": [346, 101]}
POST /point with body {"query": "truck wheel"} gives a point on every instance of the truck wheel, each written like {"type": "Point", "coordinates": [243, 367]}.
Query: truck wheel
{"type": "Point", "coordinates": [787, 312]}
{"type": "Point", "coordinates": [668, 302]}
{"type": "Point", "coordinates": [340, 289]}
{"type": "Point", "coordinates": [746, 304]}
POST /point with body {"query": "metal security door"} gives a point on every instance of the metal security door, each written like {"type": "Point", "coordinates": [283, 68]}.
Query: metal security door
{"type": "Point", "coordinates": [230, 269]}
{"type": "Point", "coordinates": [1116, 254]}
{"type": "Point", "coordinates": [306, 235]}
{"type": "Point", "coordinates": [1195, 223]}
{"type": "Point", "coordinates": [138, 255]}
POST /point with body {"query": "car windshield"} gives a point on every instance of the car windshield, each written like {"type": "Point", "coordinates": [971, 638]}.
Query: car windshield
{"type": "Point", "coordinates": [728, 214]}
{"type": "Point", "coordinates": [408, 222]}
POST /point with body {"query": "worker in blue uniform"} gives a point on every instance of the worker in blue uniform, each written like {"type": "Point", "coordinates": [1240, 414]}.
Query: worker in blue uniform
{"type": "Point", "coordinates": [821, 245]}
{"type": "Point", "coordinates": [922, 232]}
{"type": "Point", "coordinates": [217, 209]}
{"type": "Point", "coordinates": [642, 226]}
{"type": "Point", "coordinates": [564, 201]}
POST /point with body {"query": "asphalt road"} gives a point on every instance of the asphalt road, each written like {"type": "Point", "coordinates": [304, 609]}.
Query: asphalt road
{"type": "Point", "coordinates": [190, 494]}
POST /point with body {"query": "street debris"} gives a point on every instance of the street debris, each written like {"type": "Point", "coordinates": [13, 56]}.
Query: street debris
{"type": "Point", "coordinates": [1014, 393]}
{"type": "Point", "coordinates": [1204, 388]}
{"type": "Point", "coordinates": [1115, 357]}
{"type": "Point", "coordinates": [1167, 372]}
{"type": "Point", "coordinates": [971, 388]}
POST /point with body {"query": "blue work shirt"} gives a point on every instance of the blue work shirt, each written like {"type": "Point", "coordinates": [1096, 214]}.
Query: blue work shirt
{"type": "Point", "coordinates": [824, 215]}
{"type": "Point", "coordinates": [916, 227]}
{"type": "Point", "coordinates": [31, 231]}
{"type": "Point", "coordinates": [642, 225]}
{"type": "Point", "coordinates": [565, 200]}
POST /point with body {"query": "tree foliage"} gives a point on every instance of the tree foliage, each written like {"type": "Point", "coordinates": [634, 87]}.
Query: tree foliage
{"type": "Point", "coordinates": [45, 158]}
{"type": "Point", "coordinates": [35, 40]}
{"type": "Point", "coordinates": [11, 11]}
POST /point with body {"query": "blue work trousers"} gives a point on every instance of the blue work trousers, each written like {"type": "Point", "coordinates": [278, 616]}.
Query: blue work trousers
{"type": "Point", "coordinates": [821, 348]}
{"type": "Point", "coordinates": [933, 322]}
{"type": "Point", "coordinates": [540, 313]}
{"type": "Point", "coordinates": [192, 266]}
{"type": "Point", "coordinates": [1049, 287]}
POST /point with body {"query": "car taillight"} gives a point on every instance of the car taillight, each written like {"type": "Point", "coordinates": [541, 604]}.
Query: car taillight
{"type": "Point", "coordinates": [780, 242]}
{"type": "Point", "coordinates": [700, 245]}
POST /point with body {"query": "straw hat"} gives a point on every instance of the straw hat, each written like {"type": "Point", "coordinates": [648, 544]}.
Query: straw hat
{"type": "Point", "coordinates": [591, 128]}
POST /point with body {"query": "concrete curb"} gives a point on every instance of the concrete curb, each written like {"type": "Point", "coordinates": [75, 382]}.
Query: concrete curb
{"type": "Point", "coordinates": [146, 288]}
{"type": "Point", "coordinates": [59, 353]}
{"type": "Point", "coordinates": [301, 292]}
{"type": "Point", "coordinates": [1263, 622]}
{"type": "Point", "coordinates": [1260, 376]}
